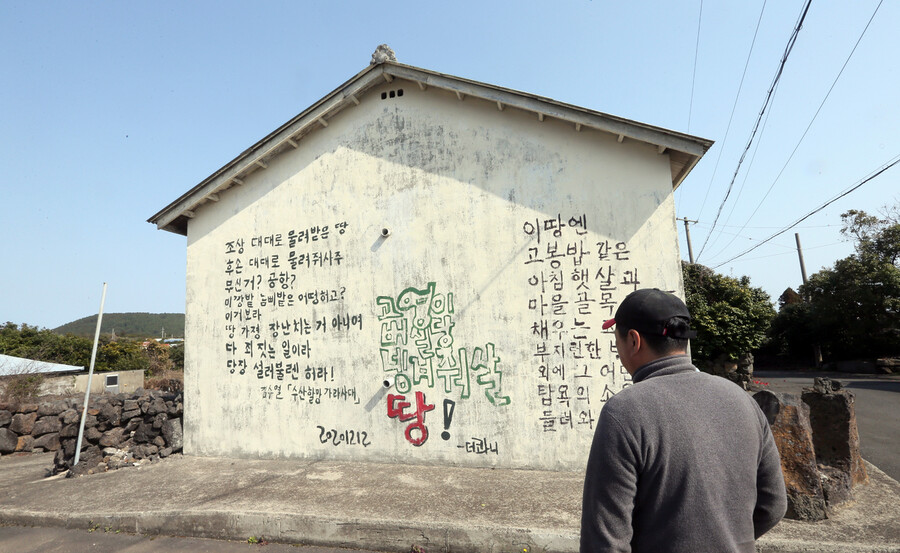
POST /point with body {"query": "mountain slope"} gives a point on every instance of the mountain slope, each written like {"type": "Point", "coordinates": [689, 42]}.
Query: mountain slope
{"type": "Point", "coordinates": [128, 324]}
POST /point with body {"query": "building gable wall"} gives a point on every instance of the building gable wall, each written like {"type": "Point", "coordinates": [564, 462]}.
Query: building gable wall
{"type": "Point", "coordinates": [480, 309]}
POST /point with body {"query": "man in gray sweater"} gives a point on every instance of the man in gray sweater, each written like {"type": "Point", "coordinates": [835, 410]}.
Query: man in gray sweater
{"type": "Point", "coordinates": [681, 460]}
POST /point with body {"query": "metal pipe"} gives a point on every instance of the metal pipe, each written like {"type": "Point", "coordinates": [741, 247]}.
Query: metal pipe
{"type": "Point", "coordinates": [87, 393]}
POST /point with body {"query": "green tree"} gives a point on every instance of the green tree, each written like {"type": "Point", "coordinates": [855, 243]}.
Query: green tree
{"type": "Point", "coordinates": [31, 342]}
{"type": "Point", "coordinates": [730, 316]}
{"type": "Point", "coordinates": [122, 355]}
{"type": "Point", "coordinates": [176, 354]}
{"type": "Point", "coordinates": [851, 309]}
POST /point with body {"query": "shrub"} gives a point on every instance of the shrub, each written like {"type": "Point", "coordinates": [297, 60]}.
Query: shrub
{"type": "Point", "coordinates": [22, 387]}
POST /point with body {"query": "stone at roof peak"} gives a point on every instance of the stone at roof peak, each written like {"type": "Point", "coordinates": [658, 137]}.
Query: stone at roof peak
{"type": "Point", "coordinates": [382, 54]}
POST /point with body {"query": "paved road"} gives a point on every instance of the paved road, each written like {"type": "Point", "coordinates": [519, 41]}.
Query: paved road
{"type": "Point", "coordinates": [59, 540]}
{"type": "Point", "coordinates": [877, 410]}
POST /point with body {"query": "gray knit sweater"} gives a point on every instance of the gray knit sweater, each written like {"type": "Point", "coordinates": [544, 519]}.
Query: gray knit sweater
{"type": "Point", "coordinates": [681, 461]}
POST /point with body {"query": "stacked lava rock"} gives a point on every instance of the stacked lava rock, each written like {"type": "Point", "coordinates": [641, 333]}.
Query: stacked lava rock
{"type": "Point", "coordinates": [30, 427]}
{"type": "Point", "coordinates": [119, 430]}
{"type": "Point", "coordinates": [817, 439]}
{"type": "Point", "coordinates": [123, 431]}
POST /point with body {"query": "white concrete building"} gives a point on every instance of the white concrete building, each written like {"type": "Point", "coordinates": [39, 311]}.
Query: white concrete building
{"type": "Point", "coordinates": [416, 268]}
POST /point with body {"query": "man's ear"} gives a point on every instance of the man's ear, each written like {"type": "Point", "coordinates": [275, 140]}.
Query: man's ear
{"type": "Point", "coordinates": [633, 341]}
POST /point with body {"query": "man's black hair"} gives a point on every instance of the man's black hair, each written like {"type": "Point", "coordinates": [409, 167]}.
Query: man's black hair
{"type": "Point", "coordinates": [663, 345]}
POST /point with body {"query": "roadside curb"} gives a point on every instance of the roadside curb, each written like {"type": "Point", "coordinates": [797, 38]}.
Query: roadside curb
{"type": "Point", "coordinates": [384, 535]}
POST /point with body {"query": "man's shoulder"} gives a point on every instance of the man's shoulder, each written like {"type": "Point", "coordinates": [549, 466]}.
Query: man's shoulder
{"type": "Point", "coordinates": [689, 383]}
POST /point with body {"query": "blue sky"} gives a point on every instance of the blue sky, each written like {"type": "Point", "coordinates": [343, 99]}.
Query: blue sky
{"type": "Point", "coordinates": [111, 110]}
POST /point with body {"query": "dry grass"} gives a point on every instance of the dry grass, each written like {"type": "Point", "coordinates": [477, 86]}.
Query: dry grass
{"type": "Point", "coordinates": [21, 387]}
{"type": "Point", "coordinates": [167, 380]}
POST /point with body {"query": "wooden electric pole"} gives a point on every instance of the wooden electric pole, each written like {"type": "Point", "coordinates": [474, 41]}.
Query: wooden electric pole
{"type": "Point", "coordinates": [687, 235]}
{"type": "Point", "coordinates": [800, 254]}
{"type": "Point", "coordinates": [817, 349]}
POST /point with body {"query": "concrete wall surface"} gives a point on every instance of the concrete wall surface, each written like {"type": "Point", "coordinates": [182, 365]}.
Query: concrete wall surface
{"type": "Point", "coordinates": [129, 381]}
{"type": "Point", "coordinates": [462, 255]}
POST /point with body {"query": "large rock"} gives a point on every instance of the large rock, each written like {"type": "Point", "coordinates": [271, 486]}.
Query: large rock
{"type": "Point", "coordinates": [5, 417]}
{"type": "Point", "coordinates": [835, 485]}
{"type": "Point", "coordinates": [92, 435]}
{"type": "Point", "coordinates": [23, 423]}
{"type": "Point", "coordinates": [159, 420]}
{"type": "Point", "coordinates": [129, 414]}
{"type": "Point", "coordinates": [145, 433]}
{"type": "Point", "coordinates": [8, 440]}
{"type": "Point", "coordinates": [46, 425]}
{"type": "Point", "coordinates": [24, 443]}
{"type": "Point", "coordinates": [888, 365]}
{"type": "Point", "coordinates": [47, 442]}
{"type": "Point", "coordinates": [88, 460]}
{"type": "Point", "coordinates": [52, 408]}
{"type": "Point", "coordinates": [27, 408]}
{"type": "Point", "coordinates": [789, 419]}
{"type": "Point", "coordinates": [70, 416]}
{"type": "Point", "coordinates": [112, 414]}
{"type": "Point", "coordinates": [173, 434]}
{"type": "Point", "coordinates": [69, 431]}
{"type": "Point", "coordinates": [67, 446]}
{"type": "Point", "coordinates": [832, 415]}
{"type": "Point", "coordinates": [158, 405]}
{"type": "Point", "coordinates": [133, 424]}
{"type": "Point", "coordinates": [113, 437]}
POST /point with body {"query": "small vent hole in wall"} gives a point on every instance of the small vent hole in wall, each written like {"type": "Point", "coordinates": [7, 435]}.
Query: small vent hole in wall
{"type": "Point", "coordinates": [392, 94]}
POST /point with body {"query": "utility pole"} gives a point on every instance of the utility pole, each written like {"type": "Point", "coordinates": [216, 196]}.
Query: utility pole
{"type": "Point", "coordinates": [817, 349]}
{"type": "Point", "coordinates": [800, 254]}
{"type": "Point", "coordinates": [687, 234]}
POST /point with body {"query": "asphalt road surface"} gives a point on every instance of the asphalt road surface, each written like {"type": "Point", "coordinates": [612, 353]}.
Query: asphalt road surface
{"type": "Point", "coordinates": [877, 410]}
{"type": "Point", "coordinates": [60, 540]}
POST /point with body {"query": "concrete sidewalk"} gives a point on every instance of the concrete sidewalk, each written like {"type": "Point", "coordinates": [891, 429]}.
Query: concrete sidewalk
{"type": "Point", "coordinates": [373, 506]}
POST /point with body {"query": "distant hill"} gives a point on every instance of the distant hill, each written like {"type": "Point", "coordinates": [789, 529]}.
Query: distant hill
{"type": "Point", "coordinates": [144, 325]}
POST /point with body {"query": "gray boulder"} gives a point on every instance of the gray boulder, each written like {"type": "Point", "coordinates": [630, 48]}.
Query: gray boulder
{"type": "Point", "coordinates": [70, 416]}
{"type": "Point", "coordinates": [157, 406]}
{"type": "Point", "coordinates": [112, 437]}
{"type": "Point", "coordinates": [46, 425]}
{"type": "Point", "coordinates": [47, 442]}
{"type": "Point", "coordinates": [23, 423]}
{"type": "Point", "coordinates": [173, 434]}
{"type": "Point", "coordinates": [52, 408]}
{"type": "Point", "coordinates": [8, 440]}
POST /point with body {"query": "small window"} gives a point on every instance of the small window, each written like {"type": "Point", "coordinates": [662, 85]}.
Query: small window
{"type": "Point", "coordinates": [383, 95]}
{"type": "Point", "coordinates": [400, 92]}
{"type": "Point", "coordinates": [393, 94]}
{"type": "Point", "coordinates": [112, 380]}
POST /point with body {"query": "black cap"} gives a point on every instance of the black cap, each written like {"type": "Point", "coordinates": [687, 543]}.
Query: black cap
{"type": "Point", "coordinates": [650, 310]}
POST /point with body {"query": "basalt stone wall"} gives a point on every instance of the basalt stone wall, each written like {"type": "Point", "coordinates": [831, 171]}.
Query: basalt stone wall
{"type": "Point", "coordinates": [119, 430]}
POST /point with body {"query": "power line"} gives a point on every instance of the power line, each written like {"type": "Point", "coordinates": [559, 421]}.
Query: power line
{"type": "Point", "coordinates": [787, 51]}
{"type": "Point", "coordinates": [733, 108]}
{"type": "Point", "coordinates": [816, 210]}
{"type": "Point", "coordinates": [694, 76]}
{"type": "Point", "coordinates": [792, 252]}
{"type": "Point", "coordinates": [794, 151]}
{"type": "Point", "coordinates": [767, 227]}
